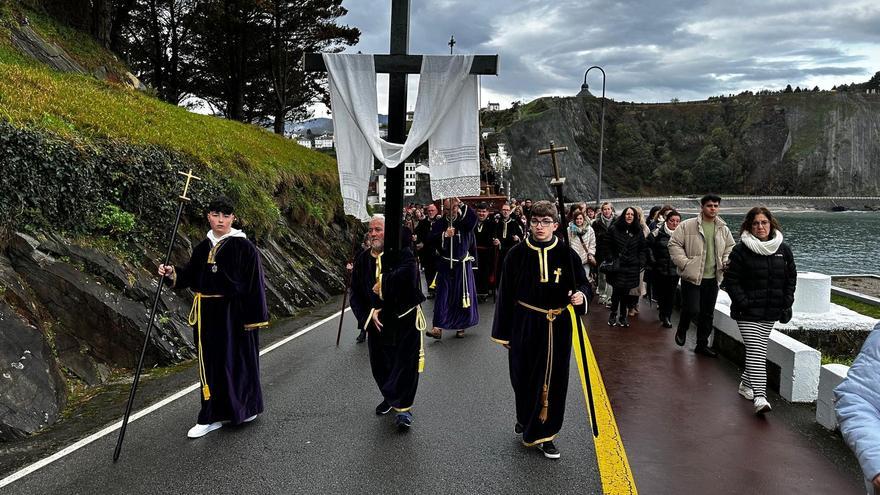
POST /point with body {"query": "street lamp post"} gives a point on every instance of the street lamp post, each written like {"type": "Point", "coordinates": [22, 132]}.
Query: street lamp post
{"type": "Point", "coordinates": [586, 87]}
{"type": "Point", "coordinates": [501, 163]}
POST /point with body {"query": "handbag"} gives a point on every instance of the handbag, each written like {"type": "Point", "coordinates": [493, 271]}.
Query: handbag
{"type": "Point", "coordinates": [786, 316]}
{"type": "Point", "coordinates": [610, 267]}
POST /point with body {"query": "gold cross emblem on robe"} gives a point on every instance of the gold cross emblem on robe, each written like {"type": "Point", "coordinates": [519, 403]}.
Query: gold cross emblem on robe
{"type": "Point", "coordinates": [558, 272]}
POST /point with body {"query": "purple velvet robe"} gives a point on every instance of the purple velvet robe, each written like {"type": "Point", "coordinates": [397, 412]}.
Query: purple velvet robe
{"type": "Point", "coordinates": [456, 285]}
{"type": "Point", "coordinates": [229, 344]}
{"type": "Point", "coordinates": [527, 333]}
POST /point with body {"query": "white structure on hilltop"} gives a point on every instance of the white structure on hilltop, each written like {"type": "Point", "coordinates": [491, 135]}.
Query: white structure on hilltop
{"type": "Point", "coordinates": [493, 107]}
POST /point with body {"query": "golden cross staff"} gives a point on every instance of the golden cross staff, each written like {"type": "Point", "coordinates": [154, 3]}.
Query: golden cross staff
{"type": "Point", "coordinates": [583, 363]}
{"type": "Point", "coordinates": [182, 200]}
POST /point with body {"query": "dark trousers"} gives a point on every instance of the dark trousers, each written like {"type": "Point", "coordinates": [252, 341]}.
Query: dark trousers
{"type": "Point", "coordinates": [621, 301]}
{"type": "Point", "coordinates": [698, 301]}
{"type": "Point", "coordinates": [664, 291]}
{"type": "Point", "coordinates": [394, 360]}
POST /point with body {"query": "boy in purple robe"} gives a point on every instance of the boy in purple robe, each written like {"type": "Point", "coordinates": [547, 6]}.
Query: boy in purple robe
{"type": "Point", "coordinates": [455, 307]}
{"type": "Point", "coordinates": [226, 275]}
{"type": "Point", "coordinates": [539, 301]}
{"type": "Point", "coordinates": [386, 298]}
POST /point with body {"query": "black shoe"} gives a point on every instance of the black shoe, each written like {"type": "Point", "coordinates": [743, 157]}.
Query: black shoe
{"type": "Point", "coordinates": [383, 408]}
{"type": "Point", "coordinates": [403, 420]}
{"type": "Point", "coordinates": [518, 429]}
{"type": "Point", "coordinates": [550, 451]}
{"type": "Point", "coordinates": [666, 323]}
{"type": "Point", "coordinates": [706, 351]}
{"type": "Point", "coordinates": [362, 337]}
{"type": "Point", "coordinates": [612, 320]}
{"type": "Point", "coordinates": [622, 321]}
{"type": "Point", "coordinates": [681, 336]}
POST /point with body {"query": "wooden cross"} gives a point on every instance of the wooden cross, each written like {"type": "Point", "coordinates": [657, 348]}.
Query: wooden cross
{"type": "Point", "coordinates": [552, 152]}
{"type": "Point", "coordinates": [398, 64]}
{"type": "Point", "coordinates": [558, 181]}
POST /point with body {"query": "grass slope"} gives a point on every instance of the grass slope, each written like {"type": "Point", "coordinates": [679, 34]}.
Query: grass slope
{"type": "Point", "coordinates": [268, 173]}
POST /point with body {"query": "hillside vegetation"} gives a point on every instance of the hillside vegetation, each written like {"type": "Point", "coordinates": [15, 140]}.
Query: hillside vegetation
{"type": "Point", "coordinates": [268, 175]}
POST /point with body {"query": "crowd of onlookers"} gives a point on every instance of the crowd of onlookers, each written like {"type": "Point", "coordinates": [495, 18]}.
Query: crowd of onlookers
{"type": "Point", "coordinates": [628, 255]}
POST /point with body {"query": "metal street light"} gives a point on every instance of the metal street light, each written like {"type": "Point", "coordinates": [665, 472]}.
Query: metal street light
{"type": "Point", "coordinates": [586, 87]}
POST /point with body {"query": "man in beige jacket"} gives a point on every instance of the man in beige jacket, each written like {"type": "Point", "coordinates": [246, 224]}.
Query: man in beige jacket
{"type": "Point", "coordinates": [701, 267]}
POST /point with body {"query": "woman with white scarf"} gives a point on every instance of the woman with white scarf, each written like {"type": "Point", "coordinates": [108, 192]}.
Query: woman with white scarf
{"type": "Point", "coordinates": [760, 280]}
{"type": "Point", "coordinates": [583, 240]}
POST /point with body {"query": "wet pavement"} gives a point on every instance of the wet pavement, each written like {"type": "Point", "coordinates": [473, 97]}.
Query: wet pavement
{"type": "Point", "coordinates": [687, 430]}
{"type": "Point", "coordinates": [683, 426]}
{"type": "Point", "coordinates": [319, 433]}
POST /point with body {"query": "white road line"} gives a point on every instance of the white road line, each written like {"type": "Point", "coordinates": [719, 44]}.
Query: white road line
{"type": "Point", "coordinates": [164, 402]}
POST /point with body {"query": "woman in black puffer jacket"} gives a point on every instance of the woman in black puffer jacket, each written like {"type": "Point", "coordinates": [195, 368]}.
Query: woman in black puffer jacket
{"type": "Point", "coordinates": [665, 273]}
{"type": "Point", "coordinates": [624, 242]}
{"type": "Point", "coordinates": [760, 280]}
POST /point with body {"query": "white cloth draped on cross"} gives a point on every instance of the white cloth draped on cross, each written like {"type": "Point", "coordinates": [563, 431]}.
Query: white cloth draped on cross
{"type": "Point", "coordinates": [446, 115]}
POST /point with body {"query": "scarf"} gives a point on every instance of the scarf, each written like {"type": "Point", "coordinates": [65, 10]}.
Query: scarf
{"type": "Point", "coordinates": [578, 231]}
{"type": "Point", "coordinates": [232, 233]}
{"type": "Point", "coordinates": [764, 248]}
{"type": "Point", "coordinates": [666, 229]}
{"type": "Point", "coordinates": [606, 221]}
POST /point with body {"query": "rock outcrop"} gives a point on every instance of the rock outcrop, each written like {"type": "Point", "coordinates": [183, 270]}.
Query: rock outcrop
{"type": "Point", "coordinates": [92, 310]}
{"type": "Point", "coordinates": [32, 390]}
{"type": "Point", "coordinates": [811, 143]}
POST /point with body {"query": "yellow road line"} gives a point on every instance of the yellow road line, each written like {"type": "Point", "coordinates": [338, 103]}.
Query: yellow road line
{"type": "Point", "coordinates": [617, 477]}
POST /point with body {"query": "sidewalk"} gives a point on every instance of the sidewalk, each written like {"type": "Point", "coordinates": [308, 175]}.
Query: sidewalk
{"type": "Point", "coordinates": [686, 430]}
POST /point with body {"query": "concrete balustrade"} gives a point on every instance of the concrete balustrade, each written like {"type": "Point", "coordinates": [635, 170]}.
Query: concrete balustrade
{"type": "Point", "coordinates": [829, 378]}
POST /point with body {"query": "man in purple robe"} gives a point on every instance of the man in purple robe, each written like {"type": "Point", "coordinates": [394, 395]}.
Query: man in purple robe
{"type": "Point", "coordinates": [226, 275]}
{"type": "Point", "coordinates": [386, 298]}
{"type": "Point", "coordinates": [455, 307]}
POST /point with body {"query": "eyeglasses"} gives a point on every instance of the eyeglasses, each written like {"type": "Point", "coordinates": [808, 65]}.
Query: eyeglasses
{"type": "Point", "coordinates": [760, 223]}
{"type": "Point", "coordinates": [545, 222]}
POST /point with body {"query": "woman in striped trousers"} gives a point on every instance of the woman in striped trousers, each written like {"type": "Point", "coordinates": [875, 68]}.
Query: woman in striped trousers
{"type": "Point", "coordinates": [760, 280]}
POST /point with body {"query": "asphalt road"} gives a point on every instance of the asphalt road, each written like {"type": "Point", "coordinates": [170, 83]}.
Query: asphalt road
{"type": "Point", "coordinates": [319, 433]}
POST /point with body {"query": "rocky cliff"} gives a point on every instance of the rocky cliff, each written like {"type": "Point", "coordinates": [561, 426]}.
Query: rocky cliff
{"type": "Point", "coordinates": [810, 143]}
{"type": "Point", "coordinates": [89, 188]}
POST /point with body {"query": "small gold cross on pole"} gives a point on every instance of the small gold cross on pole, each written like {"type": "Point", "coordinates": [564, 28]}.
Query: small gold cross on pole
{"type": "Point", "coordinates": [552, 150]}
{"type": "Point", "coordinates": [189, 176]}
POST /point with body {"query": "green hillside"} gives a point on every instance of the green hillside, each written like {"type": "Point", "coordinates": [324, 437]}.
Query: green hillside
{"type": "Point", "coordinates": [268, 175]}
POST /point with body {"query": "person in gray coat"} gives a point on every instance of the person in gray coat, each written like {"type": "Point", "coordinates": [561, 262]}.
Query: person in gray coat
{"type": "Point", "coordinates": [857, 404]}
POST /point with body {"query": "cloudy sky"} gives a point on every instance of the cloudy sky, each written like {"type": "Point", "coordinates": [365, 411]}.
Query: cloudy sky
{"type": "Point", "coordinates": [651, 50]}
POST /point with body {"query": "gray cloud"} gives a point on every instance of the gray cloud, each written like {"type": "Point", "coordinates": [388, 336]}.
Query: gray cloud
{"type": "Point", "coordinates": [652, 51]}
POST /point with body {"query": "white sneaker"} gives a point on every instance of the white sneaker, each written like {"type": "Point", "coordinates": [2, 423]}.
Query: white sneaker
{"type": "Point", "coordinates": [248, 420]}
{"type": "Point", "coordinates": [198, 430]}
{"type": "Point", "coordinates": [761, 405]}
{"type": "Point", "coordinates": [746, 392]}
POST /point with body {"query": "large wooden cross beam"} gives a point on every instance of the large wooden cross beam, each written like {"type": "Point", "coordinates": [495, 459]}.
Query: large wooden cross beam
{"type": "Point", "coordinates": [398, 64]}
